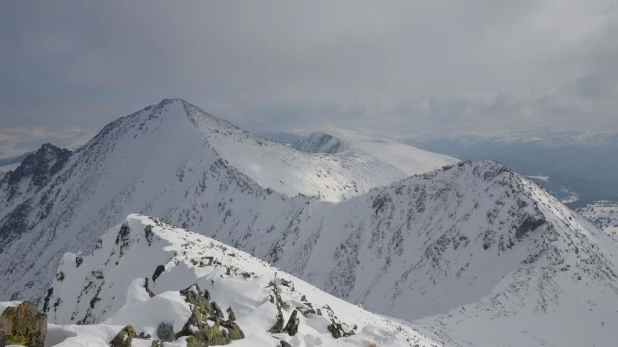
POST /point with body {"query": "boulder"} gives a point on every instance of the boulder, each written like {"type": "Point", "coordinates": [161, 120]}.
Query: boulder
{"type": "Point", "coordinates": [23, 325]}
{"type": "Point", "coordinates": [124, 337]}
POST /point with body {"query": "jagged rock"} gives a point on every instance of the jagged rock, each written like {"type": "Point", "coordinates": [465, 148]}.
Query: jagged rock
{"type": "Point", "coordinates": [216, 310]}
{"type": "Point", "coordinates": [156, 343]}
{"type": "Point", "coordinates": [79, 260]}
{"type": "Point", "coordinates": [50, 292]}
{"type": "Point", "coordinates": [148, 234]}
{"type": "Point", "coordinates": [276, 299]}
{"type": "Point", "coordinates": [124, 337]}
{"type": "Point", "coordinates": [231, 315]}
{"type": "Point", "coordinates": [338, 329]}
{"type": "Point", "coordinates": [158, 271]}
{"type": "Point", "coordinates": [200, 333]}
{"type": "Point", "coordinates": [23, 325]}
{"type": "Point", "coordinates": [165, 332]}
{"type": "Point", "coordinates": [287, 283]}
{"type": "Point", "coordinates": [150, 293]}
{"type": "Point", "coordinates": [278, 327]}
{"type": "Point", "coordinates": [144, 336]}
{"type": "Point", "coordinates": [292, 326]}
{"type": "Point", "coordinates": [285, 344]}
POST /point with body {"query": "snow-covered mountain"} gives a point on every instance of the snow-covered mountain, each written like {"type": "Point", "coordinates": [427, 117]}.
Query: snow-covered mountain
{"type": "Point", "coordinates": [151, 162]}
{"type": "Point", "coordinates": [149, 275]}
{"type": "Point", "coordinates": [470, 245]}
{"type": "Point", "coordinates": [328, 176]}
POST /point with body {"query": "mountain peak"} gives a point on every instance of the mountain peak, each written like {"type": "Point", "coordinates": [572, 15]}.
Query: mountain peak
{"type": "Point", "coordinates": [319, 142]}
{"type": "Point", "coordinates": [38, 167]}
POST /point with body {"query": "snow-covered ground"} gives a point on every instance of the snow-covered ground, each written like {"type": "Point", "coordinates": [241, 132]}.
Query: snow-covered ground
{"type": "Point", "coordinates": [406, 158]}
{"type": "Point", "coordinates": [107, 291]}
{"type": "Point", "coordinates": [331, 177]}
{"type": "Point", "coordinates": [469, 248]}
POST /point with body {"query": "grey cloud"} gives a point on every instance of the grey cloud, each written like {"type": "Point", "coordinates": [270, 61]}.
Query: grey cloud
{"type": "Point", "coordinates": [398, 66]}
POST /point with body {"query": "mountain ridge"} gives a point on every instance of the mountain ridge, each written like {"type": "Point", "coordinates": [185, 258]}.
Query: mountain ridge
{"type": "Point", "coordinates": [474, 228]}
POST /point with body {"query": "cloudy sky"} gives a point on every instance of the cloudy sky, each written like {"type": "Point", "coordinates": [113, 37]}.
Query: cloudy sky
{"type": "Point", "coordinates": [392, 66]}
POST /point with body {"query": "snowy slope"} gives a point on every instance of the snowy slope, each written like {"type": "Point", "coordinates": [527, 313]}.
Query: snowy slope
{"type": "Point", "coordinates": [406, 158]}
{"type": "Point", "coordinates": [419, 248]}
{"type": "Point", "coordinates": [108, 289]}
{"type": "Point", "coordinates": [174, 161]}
{"type": "Point", "coordinates": [277, 166]}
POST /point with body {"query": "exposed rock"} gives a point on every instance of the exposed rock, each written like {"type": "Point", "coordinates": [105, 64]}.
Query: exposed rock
{"type": "Point", "coordinates": [158, 271]}
{"type": "Point", "coordinates": [276, 299]}
{"type": "Point", "coordinates": [165, 332]}
{"type": "Point", "coordinates": [285, 344]}
{"type": "Point", "coordinates": [148, 234]}
{"type": "Point", "coordinates": [23, 325]}
{"type": "Point", "coordinates": [150, 293]}
{"type": "Point", "coordinates": [156, 343]}
{"type": "Point", "coordinates": [231, 315]}
{"type": "Point", "coordinates": [143, 336]}
{"type": "Point", "coordinates": [206, 326]}
{"type": "Point", "coordinates": [292, 327]}
{"type": "Point", "coordinates": [278, 327]}
{"type": "Point", "coordinates": [321, 143]}
{"type": "Point", "coordinates": [338, 329]}
{"type": "Point", "coordinates": [124, 337]}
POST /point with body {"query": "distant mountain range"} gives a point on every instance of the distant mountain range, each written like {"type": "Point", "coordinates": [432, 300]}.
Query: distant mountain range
{"type": "Point", "coordinates": [577, 166]}
{"type": "Point", "coordinates": [469, 253]}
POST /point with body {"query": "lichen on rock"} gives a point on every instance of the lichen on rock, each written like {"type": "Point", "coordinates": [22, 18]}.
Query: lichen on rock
{"type": "Point", "coordinates": [23, 325]}
{"type": "Point", "coordinates": [206, 326]}
{"type": "Point", "coordinates": [124, 338]}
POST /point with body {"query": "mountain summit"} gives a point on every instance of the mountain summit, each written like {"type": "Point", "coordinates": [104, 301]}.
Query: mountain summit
{"type": "Point", "coordinates": [469, 246]}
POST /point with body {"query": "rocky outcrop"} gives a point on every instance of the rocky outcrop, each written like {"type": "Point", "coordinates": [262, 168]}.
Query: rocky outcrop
{"type": "Point", "coordinates": [206, 325]}
{"type": "Point", "coordinates": [292, 327]}
{"type": "Point", "coordinates": [23, 325]}
{"type": "Point", "coordinates": [124, 337]}
{"type": "Point", "coordinates": [321, 143]}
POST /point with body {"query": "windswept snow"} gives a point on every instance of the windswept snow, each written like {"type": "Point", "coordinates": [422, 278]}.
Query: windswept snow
{"type": "Point", "coordinates": [466, 246]}
{"type": "Point", "coordinates": [406, 158]}
{"type": "Point", "coordinates": [101, 290]}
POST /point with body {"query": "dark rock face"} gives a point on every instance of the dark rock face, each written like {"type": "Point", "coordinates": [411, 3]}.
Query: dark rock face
{"type": "Point", "coordinates": [320, 143]}
{"type": "Point", "coordinates": [158, 271]}
{"type": "Point", "coordinates": [32, 175]}
{"type": "Point", "coordinates": [124, 337]}
{"type": "Point", "coordinates": [41, 166]}
{"type": "Point", "coordinates": [23, 325]}
{"type": "Point", "coordinates": [292, 327]}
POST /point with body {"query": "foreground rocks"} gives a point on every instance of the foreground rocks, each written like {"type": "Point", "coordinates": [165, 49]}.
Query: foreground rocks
{"type": "Point", "coordinates": [23, 325]}
{"type": "Point", "coordinates": [207, 326]}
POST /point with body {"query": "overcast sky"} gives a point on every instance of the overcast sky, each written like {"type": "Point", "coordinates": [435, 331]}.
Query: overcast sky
{"type": "Point", "coordinates": [392, 66]}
